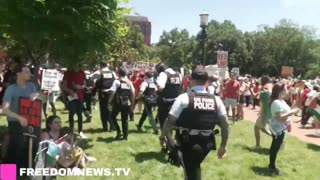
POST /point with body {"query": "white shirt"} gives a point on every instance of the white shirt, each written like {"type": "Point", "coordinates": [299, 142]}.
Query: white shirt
{"type": "Point", "coordinates": [213, 88]}
{"type": "Point", "coordinates": [144, 85]}
{"type": "Point", "coordinates": [182, 102]}
{"type": "Point", "coordinates": [116, 84]}
{"type": "Point", "coordinates": [97, 74]}
{"type": "Point", "coordinates": [162, 78]}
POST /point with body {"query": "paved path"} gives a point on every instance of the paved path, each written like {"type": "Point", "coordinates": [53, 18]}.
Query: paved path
{"type": "Point", "coordinates": [306, 134]}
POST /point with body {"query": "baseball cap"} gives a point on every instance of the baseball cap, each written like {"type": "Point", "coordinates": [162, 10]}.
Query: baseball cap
{"type": "Point", "coordinates": [199, 73]}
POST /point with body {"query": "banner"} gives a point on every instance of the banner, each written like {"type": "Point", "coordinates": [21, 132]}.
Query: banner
{"type": "Point", "coordinates": [137, 66]}
{"type": "Point", "coordinates": [286, 71]}
{"type": "Point", "coordinates": [50, 80]}
{"type": "Point", "coordinates": [215, 70]}
{"type": "Point", "coordinates": [222, 59]}
{"type": "Point", "coordinates": [31, 110]}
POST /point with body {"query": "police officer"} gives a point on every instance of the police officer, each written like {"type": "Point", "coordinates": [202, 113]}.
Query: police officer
{"type": "Point", "coordinates": [148, 92]}
{"type": "Point", "coordinates": [104, 79]}
{"type": "Point", "coordinates": [88, 95]}
{"type": "Point", "coordinates": [122, 100]}
{"type": "Point", "coordinates": [169, 84]}
{"type": "Point", "coordinates": [194, 115]}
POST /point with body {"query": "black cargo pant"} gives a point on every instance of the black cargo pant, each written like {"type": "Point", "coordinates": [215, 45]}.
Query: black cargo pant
{"type": "Point", "coordinates": [105, 115]}
{"type": "Point", "coordinates": [193, 153]}
{"type": "Point", "coordinates": [75, 107]}
{"type": "Point", "coordinates": [163, 110]}
{"type": "Point", "coordinates": [124, 111]}
{"type": "Point", "coordinates": [147, 112]}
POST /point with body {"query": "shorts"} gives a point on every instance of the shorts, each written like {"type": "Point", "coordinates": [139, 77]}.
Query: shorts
{"type": "Point", "coordinates": [242, 99]}
{"type": "Point", "coordinates": [262, 123]}
{"type": "Point", "coordinates": [230, 102]}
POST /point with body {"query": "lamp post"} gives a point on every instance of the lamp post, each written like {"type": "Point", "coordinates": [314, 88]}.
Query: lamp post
{"type": "Point", "coordinates": [204, 24]}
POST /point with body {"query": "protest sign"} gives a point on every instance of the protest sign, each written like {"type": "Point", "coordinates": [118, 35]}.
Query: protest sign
{"type": "Point", "coordinates": [222, 59]}
{"type": "Point", "coordinates": [31, 111]}
{"type": "Point", "coordinates": [236, 71]}
{"type": "Point", "coordinates": [50, 80]}
{"type": "Point", "coordinates": [286, 71]}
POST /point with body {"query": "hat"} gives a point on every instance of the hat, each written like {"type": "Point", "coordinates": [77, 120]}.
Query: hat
{"type": "Point", "coordinates": [308, 85]}
{"type": "Point", "coordinates": [199, 73]}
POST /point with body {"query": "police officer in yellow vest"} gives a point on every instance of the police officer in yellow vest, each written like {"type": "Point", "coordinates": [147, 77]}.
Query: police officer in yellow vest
{"type": "Point", "coordinates": [194, 115]}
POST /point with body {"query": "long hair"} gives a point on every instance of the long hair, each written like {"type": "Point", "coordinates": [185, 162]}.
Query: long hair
{"type": "Point", "coordinates": [49, 121]}
{"type": "Point", "coordinates": [276, 90]}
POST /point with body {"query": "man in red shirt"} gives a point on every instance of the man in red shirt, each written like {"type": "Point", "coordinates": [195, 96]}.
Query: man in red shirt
{"type": "Point", "coordinates": [305, 114]}
{"type": "Point", "coordinates": [74, 83]}
{"type": "Point", "coordinates": [232, 88]}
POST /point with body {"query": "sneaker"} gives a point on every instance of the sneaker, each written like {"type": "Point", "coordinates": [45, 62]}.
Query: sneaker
{"type": "Point", "coordinates": [82, 136]}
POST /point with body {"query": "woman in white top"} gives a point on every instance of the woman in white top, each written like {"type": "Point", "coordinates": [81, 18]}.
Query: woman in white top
{"type": "Point", "coordinates": [281, 112]}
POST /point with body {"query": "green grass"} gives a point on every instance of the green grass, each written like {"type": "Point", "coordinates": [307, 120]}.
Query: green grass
{"type": "Point", "coordinates": [142, 154]}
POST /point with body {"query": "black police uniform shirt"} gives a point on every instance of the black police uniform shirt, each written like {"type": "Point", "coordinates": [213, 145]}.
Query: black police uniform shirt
{"type": "Point", "coordinates": [182, 102]}
{"type": "Point", "coordinates": [116, 84]}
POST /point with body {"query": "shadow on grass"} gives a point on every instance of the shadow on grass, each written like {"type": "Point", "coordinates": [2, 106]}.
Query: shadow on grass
{"type": "Point", "coordinates": [262, 151]}
{"type": "Point", "coordinates": [145, 156]}
{"type": "Point", "coordinates": [134, 131]}
{"type": "Point", "coordinates": [261, 171]}
{"type": "Point", "coordinates": [312, 136]}
{"type": "Point", "coordinates": [313, 147]}
{"type": "Point", "coordinates": [94, 131]}
{"type": "Point", "coordinates": [64, 112]}
{"type": "Point", "coordinates": [106, 140]}
{"type": "Point", "coordinates": [85, 143]}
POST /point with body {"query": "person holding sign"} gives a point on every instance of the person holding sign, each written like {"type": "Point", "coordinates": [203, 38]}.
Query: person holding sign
{"type": "Point", "coordinates": [16, 123]}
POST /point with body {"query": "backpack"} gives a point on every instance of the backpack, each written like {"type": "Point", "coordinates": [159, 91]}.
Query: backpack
{"type": "Point", "coordinates": [124, 94]}
{"type": "Point", "coordinates": [107, 79]}
{"type": "Point", "coordinates": [150, 94]}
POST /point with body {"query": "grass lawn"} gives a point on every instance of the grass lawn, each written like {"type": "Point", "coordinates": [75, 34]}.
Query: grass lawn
{"type": "Point", "coordinates": [142, 154]}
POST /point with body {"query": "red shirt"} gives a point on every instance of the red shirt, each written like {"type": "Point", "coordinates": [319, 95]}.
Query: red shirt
{"type": "Point", "coordinates": [304, 95]}
{"type": "Point", "coordinates": [74, 78]}
{"type": "Point", "coordinates": [232, 89]}
{"type": "Point", "coordinates": [256, 89]}
{"type": "Point", "coordinates": [185, 82]}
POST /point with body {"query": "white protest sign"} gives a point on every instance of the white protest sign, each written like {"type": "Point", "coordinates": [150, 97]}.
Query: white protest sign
{"type": "Point", "coordinates": [50, 80]}
{"type": "Point", "coordinates": [215, 70]}
{"type": "Point", "coordinates": [236, 71]}
{"type": "Point", "coordinates": [140, 66]}
{"type": "Point", "coordinates": [222, 59]}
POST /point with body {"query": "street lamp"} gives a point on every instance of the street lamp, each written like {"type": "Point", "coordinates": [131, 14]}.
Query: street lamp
{"type": "Point", "coordinates": [204, 24]}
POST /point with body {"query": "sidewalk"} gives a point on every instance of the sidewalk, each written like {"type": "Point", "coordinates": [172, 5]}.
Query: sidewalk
{"type": "Point", "coordinates": [306, 134]}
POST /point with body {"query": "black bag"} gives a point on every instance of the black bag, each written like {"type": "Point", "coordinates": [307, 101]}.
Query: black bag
{"type": "Point", "coordinates": [107, 79]}
{"type": "Point", "coordinates": [124, 94]}
{"type": "Point", "coordinates": [150, 96]}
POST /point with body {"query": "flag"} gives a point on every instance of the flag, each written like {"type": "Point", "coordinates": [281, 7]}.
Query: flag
{"type": "Point", "coordinates": [314, 108]}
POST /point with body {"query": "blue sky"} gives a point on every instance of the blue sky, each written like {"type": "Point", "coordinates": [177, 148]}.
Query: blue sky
{"type": "Point", "coordinates": [245, 14]}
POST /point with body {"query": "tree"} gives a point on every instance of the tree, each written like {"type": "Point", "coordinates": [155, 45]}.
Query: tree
{"type": "Point", "coordinates": [66, 31]}
{"type": "Point", "coordinates": [176, 47]}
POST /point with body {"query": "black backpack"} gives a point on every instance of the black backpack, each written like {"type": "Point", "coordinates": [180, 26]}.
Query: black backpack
{"type": "Point", "coordinates": [124, 94]}
{"type": "Point", "coordinates": [107, 79]}
{"type": "Point", "coordinates": [150, 94]}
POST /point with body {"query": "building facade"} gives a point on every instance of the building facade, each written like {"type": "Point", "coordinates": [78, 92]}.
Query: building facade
{"type": "Point", "coordinates": [145, 26]}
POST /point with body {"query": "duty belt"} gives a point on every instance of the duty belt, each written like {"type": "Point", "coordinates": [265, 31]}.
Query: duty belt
{"type": "Point", "coordinates": [171, 100]}
{"type": "Point", "coordinates": [194, 132]}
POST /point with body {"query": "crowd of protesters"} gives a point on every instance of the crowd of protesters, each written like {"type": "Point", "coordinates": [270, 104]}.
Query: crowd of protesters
{"type": "Point", "coordinates": [119, 91]}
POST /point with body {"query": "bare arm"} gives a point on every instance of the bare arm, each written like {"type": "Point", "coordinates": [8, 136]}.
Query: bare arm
{"type": "Point", "coordinates": [224, 130]}
{"type": "Point", "coordinates": [6, 110]}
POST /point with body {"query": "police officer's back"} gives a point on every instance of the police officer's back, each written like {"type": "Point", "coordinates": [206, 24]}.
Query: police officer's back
{"type": "Point", "coordinates": [194, 115]}
{"type": "Point", "coordinates": [104, 80]}
{"type": "Point", "coordinates": [169, 84]}
{"type": "Point", "coordinates": [122, 101]}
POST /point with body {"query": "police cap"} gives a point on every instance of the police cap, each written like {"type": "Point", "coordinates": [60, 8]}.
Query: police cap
{"type": "Point", "coordinates": [199, 73]}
